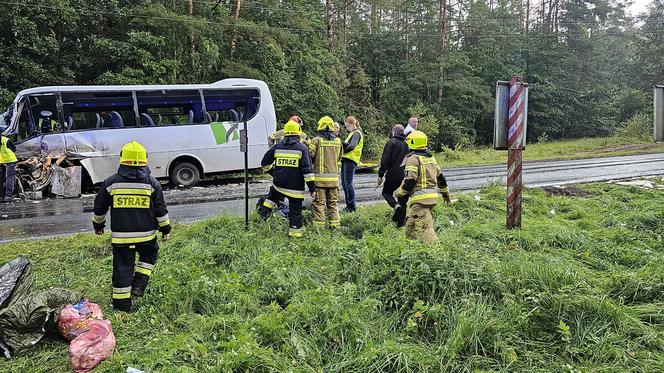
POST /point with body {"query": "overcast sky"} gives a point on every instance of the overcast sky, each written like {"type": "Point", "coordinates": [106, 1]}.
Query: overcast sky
{"type": "Point", "coordinates": [639, 6]}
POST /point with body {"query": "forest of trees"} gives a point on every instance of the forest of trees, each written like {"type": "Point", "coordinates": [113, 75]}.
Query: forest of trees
{"type": "Point", "coordinates": [590, 65]}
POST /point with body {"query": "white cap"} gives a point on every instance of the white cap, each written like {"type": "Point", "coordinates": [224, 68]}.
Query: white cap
{"type": "Point", "coordinates": [46, 113]}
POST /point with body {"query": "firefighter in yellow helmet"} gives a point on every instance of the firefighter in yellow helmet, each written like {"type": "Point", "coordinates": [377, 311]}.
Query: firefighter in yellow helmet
{"type": "Point", "coordinates": [279, 135]}
{"type": "Point", "coordinates": [422, 185]}
{"type": "Point", "coordinates": [326, 150]}
{"type": "Point", "coordinates": [138, 211]}
{"type": "Point", "coordinates": [290, 165]}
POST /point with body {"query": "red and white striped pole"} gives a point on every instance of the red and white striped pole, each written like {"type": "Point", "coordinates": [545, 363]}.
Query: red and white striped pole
{"type": "Point", "coordinates": [515, 145]}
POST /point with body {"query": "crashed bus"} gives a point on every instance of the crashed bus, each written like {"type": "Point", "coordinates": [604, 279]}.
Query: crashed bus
{"type": "Point", "coordinates": [190, 131]}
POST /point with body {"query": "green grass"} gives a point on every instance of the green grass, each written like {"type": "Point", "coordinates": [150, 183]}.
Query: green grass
{"type": "Point", "coordinates": [580, 288]}
{"type": "Point", "coordinates": [559, 149]}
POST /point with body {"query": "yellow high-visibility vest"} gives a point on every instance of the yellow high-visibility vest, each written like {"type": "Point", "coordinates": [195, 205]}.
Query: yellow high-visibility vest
{"type": "Point", "coordinates": [6, 154]}
{"type": "Point", "coordinates": [355, 154]}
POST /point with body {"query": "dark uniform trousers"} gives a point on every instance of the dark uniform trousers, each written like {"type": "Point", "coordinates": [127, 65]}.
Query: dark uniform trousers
{"type": "Point", "coordinates": [130, 278]}
{"type": "Point", "coordinates": [294, 210]}
{"type": "Point", "coordinates": [389, 187]}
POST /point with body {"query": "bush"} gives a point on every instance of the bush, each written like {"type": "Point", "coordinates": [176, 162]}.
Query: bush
{"type": "Point", "coordinates": [637, 127]}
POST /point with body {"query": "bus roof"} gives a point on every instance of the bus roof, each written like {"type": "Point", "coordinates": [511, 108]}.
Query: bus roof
{"type": "Point", "coordinates": [225, 83]}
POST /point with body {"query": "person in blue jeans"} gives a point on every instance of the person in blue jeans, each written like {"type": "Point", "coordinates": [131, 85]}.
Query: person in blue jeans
{"type": "Point", "coordinates": [7, 168]}
{"type": "Point", "coordinates": [351, 159]}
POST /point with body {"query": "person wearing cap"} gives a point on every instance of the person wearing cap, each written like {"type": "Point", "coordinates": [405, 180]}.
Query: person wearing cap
{"type": "Point", "coordinates": [290, 165]}
{"type": "Point", "coordinates": [423, 183]}
{"type": "Point", "coordinates": [279, 135]}
{"type": "Point", "coordinates": [138, 212]}
{"type": "Point", "coordinates": [46, 124]}
{"type": "Point", "coordinates": [325, 150]}
{"type": "Point", "coordinates": [7, 167]}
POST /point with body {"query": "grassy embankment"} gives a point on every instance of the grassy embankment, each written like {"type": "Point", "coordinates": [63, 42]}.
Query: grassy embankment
{"type": "Point", "coordinates": [579, 288]}
{"type": "Point", "coordinates": [558, 149]}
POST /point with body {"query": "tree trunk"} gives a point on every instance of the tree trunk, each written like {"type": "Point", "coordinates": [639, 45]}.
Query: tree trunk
{"type": "Point", "coordinates": [238, 4]}
{"type": "Point", "coordinates": [527, 15]}
{"type": "Point", "coordinates": [344, 35]}
{"type": "Point", "coordinates": [192, 39]}
{"type": "Point", "coordinates": [405, 36]}
{"type": "Point", "coordinates": [330, 34]}
{"type": "Point", "coordinates": [398, 15]}
{"type": "Point", "coordinates": [441, 46]}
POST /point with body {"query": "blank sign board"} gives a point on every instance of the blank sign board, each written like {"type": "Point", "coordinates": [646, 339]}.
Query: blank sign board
{"type": "Point", "coordinates": [502, 114]}
{"type": "Point", "coordinates": [658, 126]}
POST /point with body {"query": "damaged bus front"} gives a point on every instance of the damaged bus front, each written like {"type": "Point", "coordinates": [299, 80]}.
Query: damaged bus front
{"type": "Point", "coordinates": [190, 131]}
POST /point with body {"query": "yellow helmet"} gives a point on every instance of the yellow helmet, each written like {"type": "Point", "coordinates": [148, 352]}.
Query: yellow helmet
{"type": "Point", "coordinates": [134, 154]}
{"type": "Point", "coordinates": [325, 123]}
{"type": "Point", "coordinates": [417, 140]}
{"type": "Point", "coordinates": [292, 128]}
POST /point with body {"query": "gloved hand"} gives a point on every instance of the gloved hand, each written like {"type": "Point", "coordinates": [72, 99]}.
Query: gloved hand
{"type": "Point", "coordinates": [99, 231]}
{"type": "Point", "coordinates": [446, 198]}
{"type": "Point", "coordinates": [166, 236]}
{"type": "Point", "coordinates": [99, 228]}
{"type": "Point", "coordinates": [379, 182]}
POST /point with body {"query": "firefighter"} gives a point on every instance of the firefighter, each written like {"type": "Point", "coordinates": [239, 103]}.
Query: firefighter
{"type": "Point", "coordinates": [290, 165]}
{"type": "Point", "coordinates": [279, 135]}
{"type": "Point", "coordinates": [326, 150]}
{"type": "Point", "coordinates": [7, 167]}
{"type": "Point", "coordinates": [423, 181]}
{"type": "Point", "coordinates": [138, 211]}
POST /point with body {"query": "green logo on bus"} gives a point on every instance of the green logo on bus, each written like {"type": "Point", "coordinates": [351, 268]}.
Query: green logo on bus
{"type": "Point", "coordinates": [225, 132]}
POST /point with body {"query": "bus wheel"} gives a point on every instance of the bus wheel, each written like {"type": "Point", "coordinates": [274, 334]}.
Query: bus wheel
{"type": "Point", "coordinates": [185, 174]}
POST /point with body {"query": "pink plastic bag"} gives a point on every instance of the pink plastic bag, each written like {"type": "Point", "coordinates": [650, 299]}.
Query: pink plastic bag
{"type": "Point", "coordinates": [75, 319]}
{"type": "Point", "coordinates": [92, 347]}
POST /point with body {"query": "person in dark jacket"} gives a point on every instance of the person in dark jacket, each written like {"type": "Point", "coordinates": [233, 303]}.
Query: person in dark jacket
{"type": "Point", "coordinates": [391, 167]}
{"type": "Point", "coordinates": [290, 164]}
{"type": "Point", "coordinates": [138, 211]}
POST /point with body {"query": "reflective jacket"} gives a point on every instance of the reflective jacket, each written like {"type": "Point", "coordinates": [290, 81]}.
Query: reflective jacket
{"type": "Point", "coordinates": [325, 150]}
{"type": "Point", "coordinates": [137, 206]}
{"type": "Point", "coordinates": [423, 179]}
{"type": "Point", "coordinates": [6, 150]}
{"type": "Point", "coordinates": [290, 165]}
{"type": "Point", "coordinates": [353, 146]}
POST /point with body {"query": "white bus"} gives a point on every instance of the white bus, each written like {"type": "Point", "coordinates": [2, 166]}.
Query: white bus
{"type": "Point", "coordinates": [189, 130]}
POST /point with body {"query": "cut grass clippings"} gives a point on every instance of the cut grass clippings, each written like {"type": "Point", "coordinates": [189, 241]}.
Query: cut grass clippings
{"type": "Point", "coordinates": [579, 288]}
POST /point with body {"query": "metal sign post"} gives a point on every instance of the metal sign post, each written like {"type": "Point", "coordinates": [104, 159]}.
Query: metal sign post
{"type": "Point", "coordinates": [658, 114]}
{"type": "Point", "coordinates": [510, 125]}
{"type": "Point", "coordinates": [244, 148]}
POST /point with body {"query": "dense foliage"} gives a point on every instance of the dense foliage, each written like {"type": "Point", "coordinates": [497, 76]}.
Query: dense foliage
{"type": "Point", "coordinates": [578, 289]}
{"type": "Point", "coordinates": [590, 66]}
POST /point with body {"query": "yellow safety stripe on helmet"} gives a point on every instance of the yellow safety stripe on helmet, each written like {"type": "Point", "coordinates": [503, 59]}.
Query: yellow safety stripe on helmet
{"type": "Point", "coordinates": [140, 192]}
{"type": "Point", "coordinates": [99, 219]}
{"type": "Point", "coordinates": [121, 295]}
{"type": "Point", "coordinates": [163, 223]}
{"type": "Point", "coordinates": [290, 192]}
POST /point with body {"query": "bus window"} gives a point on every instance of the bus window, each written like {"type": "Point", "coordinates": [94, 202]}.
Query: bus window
{"type": "Point", "coordinates": [44, 113]}
{"type": "Point", "coordinates": [98, 110]}
{"type": "Point", "coordinates": [231, 104]}
{"type": "Point", "coordinates": [26, 125]}
{"type": "Point", "coordinates": [170, 108]}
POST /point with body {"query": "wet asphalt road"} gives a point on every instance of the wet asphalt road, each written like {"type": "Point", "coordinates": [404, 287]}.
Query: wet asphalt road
{"type": "Point", "coordinates": [58, 217]}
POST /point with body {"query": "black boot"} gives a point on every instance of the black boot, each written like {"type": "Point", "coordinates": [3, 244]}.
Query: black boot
{"type": "Point", "coordinates": [399, 216]}
{"type": "Point", "coordinates": [139, 285]}
{"type": "Point", "coordinates": [123, 305]}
